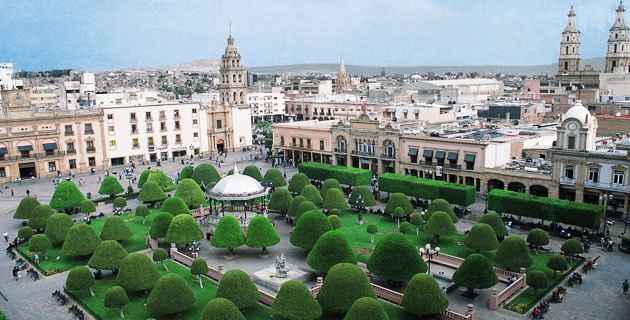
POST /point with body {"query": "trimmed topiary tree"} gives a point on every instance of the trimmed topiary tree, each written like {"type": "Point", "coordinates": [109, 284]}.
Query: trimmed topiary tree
{"type": "Point", "coordinates": [395, 259]}
{"type": "Point", "coordinates": [310, 193]}
{"type": "Point", "coordinates": [197, 268]}
{"type": "Point", "coordinates": [398, 200]}
{"type": "Point", "coordinates": [107, 256]}
{"type": "Point", "coordinates": [416, 220]}
{"type": "Point", "coordinates": [513, 254]}
{"type": "Point", "coordinates": [110, 186]}
{"type": "Point", "coordinates": [87, 206]}
{"type": "Point", "coordinates": [280, 201]}
{"type": "Point", "coordinates": [308, 229]}
{"type": "Point", "coordinates": [160, 178]}
{"type": "Point", "coordinates": [119, 203]}
{"type": "Point", "coordinates": [572, 247]}
{"type": "Point", "coordinates": [481, 238]}
{"type": "Point", "coordinates": [57, 227]}
{"type": "Point", "coordinates": [80, 279]}
{"type": "Point", "coordinates": [40, 216]}
{"type": "Point", "coordinates": [366, 309]}
{"type": "Point", "coordinates": [159, 256]}
{"type": "Point", "coordinates": [137, 273]}
{"type": "Point", "coordinates": [407, 228]}
{"type": "Point", "coordinates": [25, 209]}
{"type": "Point", "coordinates": [25, 233]}
{"type": "Point", "coordinates": [186, 172]}
{"type": "Point", "coordinates": [261, 233]}
{"type": "Point", "coordinates": [335, 199]}
{"type": "Point", "coordinates": [557, 263]}
{"type": "Point", "coordinates": [206, 175]}
{"type": "Point", "coordinates": [331, 248]}
{"type": "Point", "coordinates": [475, 273]}
{"type": "Point", "coordinates": [81, 240]}
{"type": "Point", "coordinates": [364, 193]}
{"type": "Point", "coordinates": [439, 225]}
{"type": "Point", "coordinates": [303, 207]}
{"type": "Point", "coordinates": [183, 230]}
{"type": "Point", "coordinates": [116, 298]}
{"type": "Point", "coordinates": [494, 220]}
{"type": "Point", "coordinates": [295, 207]}
{"type": "Point", "coordinates": [143, 212]}
{"type": "Point", "coordinates": [295, 302]}
{"type": "Point", "coordinates": [344, 284]}
{"type": "Point", "coordinates": [372, 229]}
{"type": "Point", "coordinates": [399, 213]}
{"type": "Point", "coordinates": [228, 234]}
{"type": "Point", "coordinates": [328, 184]}
{"type": "Point", "coordinates": [151, 193]}
{"type": "Point", "coordinates": [116, 228]}
{"type": "Point", "coordinates": [252, 171]}
{"type": "Point", "coordinates": [171, 295]}
{"type": "Point", "coordinates": [175, 205]}
{"type": "Point", "coordinates": [39, 244]}
{"type": "Point", "coordinates": [66, 196]}
{"type": "Point", "coordinates": [298, 182]}
{"type": "Point", "coordinates": [537, 238]}
{"type": "Point", "coordinates": [274, 177]}
{"type": "Point", "coordinates": [160, 225]}
{"type": "Point", "coordinates": [443, 206]}
{"type": "Point", "coordinates": [221, 309]}
{"type": "Point", "coordinates": [238, 287]}
{"type": "Point", "coordinates": [334, 220]}
{"type": "Point", "coordinates": [423, 297]}
{"type": "Point", "coordinates": [189, 191]}
{"type": "Point", "coordinates": [537, 280]}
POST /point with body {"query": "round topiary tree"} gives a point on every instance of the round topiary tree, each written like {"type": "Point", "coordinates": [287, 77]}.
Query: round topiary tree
{"type": "Point", "coordinates": [481, 238]}
{"type": "Point", "coordinates": [158, 177]}
{"type": "Point", "coordinates": [159, 256]}
{"type": "Point", "coordinates": [81, 240]}
{"type": "Point", "coordinates": [328, 184]}
{"type": "Point", "coordinates": [398, 200]}
{"type": "Point", "coordinates": [309, 228]}
{"type": "Point", "coordinates": [238, 287]}
{"type": "Point", "coordinates": [221, 309]}
{"type": "Point", "coordinates": [80, 279]}
{"type": "Point", "coordinates": [228, 234]}
{"type": "Point", "coordinates": [395, 259]}
{"type": "Point", "coordinates": [189, 191]}
{"type": "Point", "coordinates": [206, 175]}
{"type": "Point", "coordinates": [175, 205]}
{"type": "Point", "coordinates": [295, 302]}
{"type": "Point", "coordinates": [186, 172]}
{"type": "Point", "coordinates": [197, 268]}
{"type": "Point", "coordinates": [494, 220]}
{"type": "Point", "coordinates": [116, 298]}
{"type": "Point", "coordinates": [25, 208]}
{"type": "Point", "coordinates": [475, 273]}
{"type": "Point", "coordinates": [344, 284]}
{"type": "Point", "coordinates": [57, 227]}
{"type": "Point", "coordinates": [183, 230]}
{"type": "Point", "coordinates": [335, 199]}
{"type": "Point", "coordinates": [107, 256]}
{"type": "Point", "coordinates": [273, 177]}
{"type": "Point", "coordinates": [363, 193]}
{"type": "Point", "coordinates": [572, 247]}
{"type": "Point", "coordinates": [280, 201]}
{"type": "Point", "coordinates": [160, 225]}
{"type": "Point", "coordinates": [537, 238]}
{"type": "Point", "coordinates": [25, 233]}
{"type": "Point", "coordinates": [87, 206]}
{"type": "Point", "coordinates": [416, 220]}
{"type": "Point", "coordinates": [443, 206]}
{"type": "Point", "coordinates": [407, 228]}
{"type": "Point", "coordinates": [557, 263]}
{"type": "Point", "coordinates": [331, 248]}
{"type": "Point", "coordinates": [537, 280]}
{"type": "Point", "coordinates": [116, 228]}
{"type": "Point", "coordinates": [310, 193]}
{"type": "Point", "coordinates": [372, 229]}
{"type": "Point", "coordinates": [439, 225]}
{"type": "Point", "coordinates": [334, 220]}
{"type": "Point", "coordinates": [298, 182]}
{"type": "Point", "coordinates": [252, 171]}
{"type": "Point", "coordinates": [366, 309]}
{"type": "Point", "coordinates": [143, 212]}
{"type": "Point", "coordinates": [170, 295]}
{"type": "Point", "coordinates": [137, 273]}
{"type": "Point", "coordinates": [66, 196]}
{"type": "Point", "coordinates": [423, 297]}
{"type": "Point", "coordinates": [110, 186]}
{"type": "Point", "coordinates": [151, 193]}
{"type": "Point", "coordinates": [119, 203]}
{"type": "Point", "coordinates": [295, 207]}
{"type": "Point", "coordinates": [303, 207]}
{"type": "Point", "coordinates": [39, 244]}
{"type": "Point", "coordinates": [399, 213]}
{"type": "Point", "coordinates": [40, 216]}
{"type": "Point", "coordinates": [513, 254]}
{"type": "Point", "coordinates": [261, 233]}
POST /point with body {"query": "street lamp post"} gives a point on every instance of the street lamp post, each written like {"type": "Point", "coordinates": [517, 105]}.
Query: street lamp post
{"type": "Point", "coordinates": [429, 253]}
{"type": "Point", "coordinates": [605, 198]}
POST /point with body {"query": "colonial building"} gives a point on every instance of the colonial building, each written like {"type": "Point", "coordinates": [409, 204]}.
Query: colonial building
{"type": "Point", "coordinates": [267, 105]}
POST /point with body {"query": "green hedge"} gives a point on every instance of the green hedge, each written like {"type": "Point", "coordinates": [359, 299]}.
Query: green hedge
{"type": "Point", "coordinates": [552, 209]}
{"type": "Point", "coordinates": [345, 175]}
{"type": "Point", "coordinates": [427, 189]}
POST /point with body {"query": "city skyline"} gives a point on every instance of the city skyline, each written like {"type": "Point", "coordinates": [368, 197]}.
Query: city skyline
{"type": "Point", "coordinates": [165, 32]}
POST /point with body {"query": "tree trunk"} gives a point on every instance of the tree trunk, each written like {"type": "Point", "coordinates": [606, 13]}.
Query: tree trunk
{"type": "Point", "coordinates": [372, 239]}
{"type": "Point", "coordinates": [91, 292]}
{"type": "Point", "coordinates": [165, 267]}
{"type": "Point", "coordinates": [122, 314]}
{"type": "Point", "coordinates": [200, 282]}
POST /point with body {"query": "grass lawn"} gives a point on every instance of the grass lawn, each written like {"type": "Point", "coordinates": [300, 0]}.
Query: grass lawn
{"type": "Point", "coordinates": [56, 262]}
{"type": "Point", "coordinates": [135, 309]}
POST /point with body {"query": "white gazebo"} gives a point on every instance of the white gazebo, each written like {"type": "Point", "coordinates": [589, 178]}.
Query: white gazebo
{"type": "Point", "coordinates": [237, 190]}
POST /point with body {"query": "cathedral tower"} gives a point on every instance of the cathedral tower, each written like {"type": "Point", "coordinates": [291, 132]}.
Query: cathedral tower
{"type": "Point", "coordinates": [569, 59]}
{"type": "Point", "coordinates": [618, 55]}
{"type": "Point", "coordinates": [343, 79]}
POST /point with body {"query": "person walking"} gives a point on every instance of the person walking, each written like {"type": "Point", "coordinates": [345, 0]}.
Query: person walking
{"type": "Point", "coordinates": [625, 285]}
{"type": "Point", "coordinates": [5, 235]}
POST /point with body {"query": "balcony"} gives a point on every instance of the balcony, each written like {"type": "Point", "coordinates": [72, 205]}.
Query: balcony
{"type": "Point", "coordinates": [566, 180]}
{"type": "Point", "coordinates": [388, 156]}
{"type": "Point", "coordinates": [89, 132]}
{"type": "Point", "coordinates": [54, 154]}
{"type": "Point", "coordinates": [341, 150]}
{"type": "Point", "coordinates": [363, 153]}
{"type": "Point", "coordinates": [133, 120]}
{"type": "Point", "coordinates": [162, 118]}
{"type": "Point", "coordinates": [90, 149]}
{"type": "Point", "coordinates": [607, 186]}
{"type": "Point", "coordinates": [71, 151]}
{"type": "Point", "coordinates": [149, 130]}
{"type": "Point", "coordinates": [68, 133]}
{"type": "Point", "coordinates": [151, 148]}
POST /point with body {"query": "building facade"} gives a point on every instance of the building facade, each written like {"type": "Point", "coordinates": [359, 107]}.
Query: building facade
{"type": "Point", "coordinates": [267, 105]}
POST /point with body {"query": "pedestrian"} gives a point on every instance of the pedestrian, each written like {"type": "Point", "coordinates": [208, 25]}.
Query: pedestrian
{"type": "Point", "coordinates": [36, 258]}
{"type": "Point", "coordinates": [5, 235]}
{"type": "Point", "coordinates": [19, 274]}
{"type": "Point", "coordinates": [12, 192]}
{"type": "Point", "coordinates": [28, 193]}
{"type": "Point", "coordinates": [15, 273]}
{"type": "Point", "coordinates": [625, 287]}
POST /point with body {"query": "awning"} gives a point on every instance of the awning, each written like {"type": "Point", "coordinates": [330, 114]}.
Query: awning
{"type": "Point", "coordinates": [440, 154]}
{"type": "Point", "coordinates": [428, 153]}
{"type": "Point", "coordinates": [3, 151]}
{"type": "Point", "coordinates": [469, 157]}
{"type": "Point", "coordinates": [50, 146]}
{"type": "Point", "coordinates": [25, 148]}
{"type": "Point", "coordinates": [452, 156]}
{"type": "Point", "coordinates": [413, 152]}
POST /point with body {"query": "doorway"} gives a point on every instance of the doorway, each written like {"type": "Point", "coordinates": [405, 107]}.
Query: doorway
{"type": "Point", "coordinates": [220, 146]}
{"type": "Point", "coordinates": [27, 170]}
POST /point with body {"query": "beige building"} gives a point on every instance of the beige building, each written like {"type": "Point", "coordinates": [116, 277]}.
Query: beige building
{"type": "Point", "coordinates": [304, 140]}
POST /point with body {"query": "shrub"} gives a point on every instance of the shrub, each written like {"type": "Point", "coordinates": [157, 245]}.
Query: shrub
{"type": "Point", "coordinates": [274, 177]}
{"type": "Point", "coordinates": [423, 296]}
{"type": "Point", "coordinates": [439, 225]}
{"type": "Point", "coordinates": [372, 229]}
{"type": "Point", "coordinates": [495, 221]}
{"type": "Point", "coordinates": [335, 222]}
{"type": "Point", "coordinates": [40, 216]}
{"type": "Point", "coordinates": [513, 254]}
{"type": "Point", "coordinates": [398, 200]}
{"type": "Point", "coordinates": [298, 182]}
{"type": "Point", "coordinates": [221, 309]}
{"type": "Point", "coordinates": [407, 228]}
{"type": "Point", "coordinates": [120, 203]}
{"type": "Point", "coordinates": [186, 172]}
{"type": "Point", "coordinates": [66, 196]}
{"type": "Point", "coordinates": [81, 240]}
{"type": "Point", "coordinates": [345, 175]}
{"type": "Point", "coordinates": [295, 302]}
{"type": "Point", "coordinates": [261, 233]}
{"type": "Point", "coordinates": [303, 207]}
{"type": "Point", "coordinates": [537, 238]}
{"type": "Point", "coordinates": [137, 273]}
{"type": "Point", "coordinates": [25, 233]}
{"type": "Point", "coordinates": [331, 248]}
{"type": "Point", "coordinates": [171, 295]}
{"type": "Point", "coordinates": [175, 205]}
{"type": "Point", "coordinates": [159, 256]}
{"type": "Point", "coordinates": [441, 205]}
{"type": "Point", "coordinates": [475, 273]}
{"type": "Point", "coordinates": [366, 309]}
{"type": "Point", "coordinates": [116, 298]}
{"type": "Point", "coordinates": [236, 286]}
{"type": "Point", "coordinates": [280, 201]}
{"type": "Point", "coordinates": [189, 191]}
{"type": "Point", "coordinates": [364, 193]}
{"type": "Point", "coordinates": [427, 189]}
{"type": "Point", "coordinates": [156, 176]}
{"type": "Point", "coordinates": [151, 193]}
{"type": "Point", "coordinates": [557, 263]}
{"type": "Point", "coordinates": [110, 186]}
{"type": "Point", "coordinates": [572, 247]}
{"type": "Point", "coordinates": [25, 208]}
{"type": "Point", "coordinates": [310, 193]}
{"type": "Point", "coordinates": [327, 185]}
{"type": "Point", "coordinates": [295, 207]}
{"type": "Point", "coordinates": [197, 268]}
{"type": "Point", "coordinates": [309, 228]}
{"type": "Point", "coordinates": [228, 234]}
{"type": "Point", "coordinates": [183, 230]}
{"type": "Point", "coordinates": [39, 243]}
{"type": "Point", "coordinates": [79, 279]}
{"type": "Point", "coordinates": [87, 206]}
{"type": "Point", "coordinates": [160, 225]}
{"type": "Point", "coordinates": [335, 199]}
{"type": "Point", "coordinates": [142, 211]}
{"type": "Point", "coordinates": [116, 228]}
{"type": "Point", "coordinates": [395, 259]}
{"type": "Point", "coordinates": [416, 220]}
{"type": "Point", "coordinates": [252, 171]}
{"type": "Point", "coordinates": [481, 238]}
{"type": "Point", "coordinates": [206, 175]}
{"type": "Point", "coordinates": [537, 280]}
{"type": "Point", "coordinates": [107, 256]}
{"type": "Point", "coordinates": [344, 284]}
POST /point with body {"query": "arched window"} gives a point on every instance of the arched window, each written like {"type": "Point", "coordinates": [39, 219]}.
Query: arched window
{"type": "Point", "coordinates": [234, 100]}
{"type": "Point", "coordinates": [566, 50]}
{"type": "Point", "coordinates": [566, 66]}
{"type": "Point", "coordinates": [615, 48]}
{"type": "Point", "coordinates": [240, 80]}
{"type": "Point", "coordinates": [233, 78]}
{"type": "Point", "coordinates": [616, 36]}
{"type": "Point", "coordinates": [567, 38]}
{"type": "Point", "coordinates": [573, 49]}
{"type": "Point", "coordinates": [242, 96]}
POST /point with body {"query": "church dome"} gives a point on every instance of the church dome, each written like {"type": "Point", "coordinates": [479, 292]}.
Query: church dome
{"type": "Point", "coordinates": [578, 112]}
{"type": "Point", "coordinates": [237, 187]}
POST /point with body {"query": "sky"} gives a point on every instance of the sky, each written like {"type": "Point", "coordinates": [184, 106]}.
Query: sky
{"type": "Point", "coordinates": [112, 34]}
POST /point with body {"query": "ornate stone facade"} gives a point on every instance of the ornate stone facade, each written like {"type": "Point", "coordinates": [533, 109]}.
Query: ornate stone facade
{"type": "Point", "coordinates": [569, 59]}
{"type": "Point", "coordinates": [618, 54]}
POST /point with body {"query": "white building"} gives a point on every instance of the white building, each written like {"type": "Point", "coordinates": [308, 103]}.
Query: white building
{"type": "Point", "coordinates": [267, 105]}
{"type": "Point", "coordinates": [466, 91]}
{"type": "Point", "coordinates": [6, 76]}
{"type": "Point", "coordinates": [45, 97]}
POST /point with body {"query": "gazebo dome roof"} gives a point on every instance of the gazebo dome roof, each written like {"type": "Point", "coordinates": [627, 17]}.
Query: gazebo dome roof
{"type": "Point", "coordinates": [237, 187]}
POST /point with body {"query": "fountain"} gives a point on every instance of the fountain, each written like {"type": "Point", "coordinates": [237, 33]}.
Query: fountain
{"type": "Point", "coordinates": [280, 272]}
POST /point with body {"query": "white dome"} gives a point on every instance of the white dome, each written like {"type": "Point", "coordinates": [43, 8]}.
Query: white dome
{"type": "Point", "coordinates": [578, 112]}
{"type": "Point", "coordinates": [237, 187]}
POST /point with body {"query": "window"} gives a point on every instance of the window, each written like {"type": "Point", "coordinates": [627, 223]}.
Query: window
{"type": "Point", "coordinates": [92, 161]}
{"type": "Point", "coordinates": [195, 122]}
{"type": "Point", "coordinates": [571, 142]}
{"type": "Point", "coordinates": [150, 141]}
{"type": "Point", "coordinates": [618, 176]}
{"type": "Point", "coordinates": [569, 172]}
{"type": "Point", "coordinates": [593, 175]}
{"type": "Point", "coordinates": [219, 124]}
{"type": "Point", "coordinates": [112, 143]}
{"type": "Point", "coordinates": [132, 116]}
{"type": "Point", "coordinates": [3, 172]}
{"type": "Point", "coordinates": [308, 143]}
{"type": "Point", "coordinates": [110, 129]}
{"type": "Point", "coordinates": [110, 116]}
{"type": "Point", "coordinates": [162, 126]}
{"type": "Point", "coordinates": [321, 144]}
{"type": "Point", "coordinates": [72, 163]}
{"type": "Point", "coordinates": [162, 115]}
{"type": "Point", "coordinates": [88, 128]}
{"type": "Point", "coordinates": [147, 115]}
{"type": "Point", "coordinates": [68, 130]}
{"type": "Point", "coordinates": [70, 147]}
{"type": "Point", "coordinates": [178, 139]}
{"type": "Point", "coordinates": [52, 166]}
{"type": "Point", "coordinates": [176, 114]}
{"type": "Point", "coordinates": [282, 140]}
{"type": "Point", "coordinates": [176, 125]}
{"type": "Point", "coordinates": [135, 143]}
{"type": "Point", "coordinates": [149, 127]}
{"type": "Point", "coordinates": [134, 129]}
{"type": "Point", "coordinates": [90, 146]}
{"type": "Point", "coordinates": [194, 110]}
{"type": "Point", "coordinates": [301, 143]}
{"type": "Point", "coordinates": [293, 141]}
{"type": "Point", "coordinates": [195, 134]}
{"type": "Point", "coordinates": [164, 140]}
